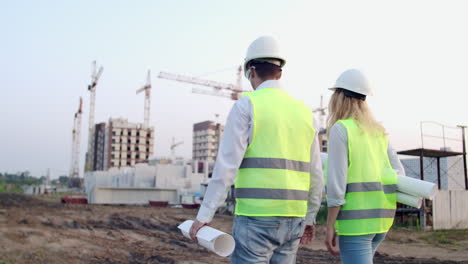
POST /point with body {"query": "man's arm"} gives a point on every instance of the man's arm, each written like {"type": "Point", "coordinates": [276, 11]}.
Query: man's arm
{"type": "Point", "coordinates": [230, 154]}
{"type": "Point", "coordinates": [316, 180]}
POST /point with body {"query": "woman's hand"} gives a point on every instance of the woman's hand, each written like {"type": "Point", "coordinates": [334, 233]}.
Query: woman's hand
{"type": "Point", "coordinates": [330, 241]}
{"type": "Point", "coordinates": [330, 237]}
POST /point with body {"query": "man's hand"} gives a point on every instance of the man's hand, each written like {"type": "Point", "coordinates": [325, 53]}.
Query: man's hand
{"type": "Point", "coordinates": [330, 241]}
{"type": "Point", "coordinates": [309, 234]}
{"type": "Point", "coordinates": [194, 229]}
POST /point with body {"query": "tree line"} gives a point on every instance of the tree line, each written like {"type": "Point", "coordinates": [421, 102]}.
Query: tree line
{"type": "Point", "coordinates": [10, 182]}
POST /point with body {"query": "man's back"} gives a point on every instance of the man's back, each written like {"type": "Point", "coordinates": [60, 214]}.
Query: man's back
{"type": "Point", "coordinates": [274, 176]}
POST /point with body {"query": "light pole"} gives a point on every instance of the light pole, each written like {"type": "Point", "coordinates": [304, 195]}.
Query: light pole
{"type": "Point", "coordinates": [464, 154]}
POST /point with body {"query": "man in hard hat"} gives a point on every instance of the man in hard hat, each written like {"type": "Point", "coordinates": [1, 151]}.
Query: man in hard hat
{"type": "Point", "coordinates": [270, 151]}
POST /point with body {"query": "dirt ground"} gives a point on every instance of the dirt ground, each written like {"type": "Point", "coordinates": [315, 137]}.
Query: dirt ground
{"type": "Point", "coordinates": [38, 230]}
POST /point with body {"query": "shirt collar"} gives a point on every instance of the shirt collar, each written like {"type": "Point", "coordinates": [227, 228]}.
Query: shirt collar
{"type": "Point", "coordinates": [276, 84]}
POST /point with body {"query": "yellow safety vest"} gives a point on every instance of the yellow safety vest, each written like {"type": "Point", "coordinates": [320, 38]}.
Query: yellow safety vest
{"type": "Point", "coordinates": [371, 185]}
{"type": "Point", "coordinates": [274, 177]}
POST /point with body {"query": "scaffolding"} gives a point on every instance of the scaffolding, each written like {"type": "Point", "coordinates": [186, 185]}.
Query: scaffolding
{"type": "Point", "coordinates": [425, 212]}
{"type": "Point", "coordinates": [437, 154]}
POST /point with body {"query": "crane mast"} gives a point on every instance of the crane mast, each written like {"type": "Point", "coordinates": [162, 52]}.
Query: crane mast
{"type": "Point", "coordinates": [76, 135]}
{"type": "Point", "coordinates": [321, 111]}
{"type": "Point", "coordinates": [239, 77]}
{"type": "Point", "coordinates": [147, 89]}
{"type": "Point", "coordinates": [95, 75]}
{"type": "Point", "coordinates": [173, 146]}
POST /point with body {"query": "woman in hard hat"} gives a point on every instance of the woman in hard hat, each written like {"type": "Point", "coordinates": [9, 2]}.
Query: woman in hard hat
{"type": "Point", "coordinates": [361, 173]}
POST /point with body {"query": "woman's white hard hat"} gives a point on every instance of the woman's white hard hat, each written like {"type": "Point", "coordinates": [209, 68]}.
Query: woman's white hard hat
{"type": "Point", "coordinates": [353, 80]}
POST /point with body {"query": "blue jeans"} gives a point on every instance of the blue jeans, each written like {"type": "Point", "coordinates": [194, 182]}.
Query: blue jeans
{"type": "Point", "coordinates": [266, 239]}
{"type": "Point", "coordinates": [359, 249]}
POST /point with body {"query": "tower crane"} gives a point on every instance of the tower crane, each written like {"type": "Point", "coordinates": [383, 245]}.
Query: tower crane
{"type": "Point", "coordinates": [95, 75]}
{"type": "Point", "coordinates": [76, 133]}
{"type": "Point", "coordinates": [46, 182]}
{"type": "Point", "coordinates": [239, 77]}
{"type": "Point", "coordinates": [232, 91]}
{"type": "Point", "coordinates": [321, 111]}
{"type": "Point", "coordinates": [147, 89]}
{"type": "Point", "coordinates": [173, 146]}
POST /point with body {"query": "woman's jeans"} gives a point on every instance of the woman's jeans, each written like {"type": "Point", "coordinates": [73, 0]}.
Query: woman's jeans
{"type": "Point", "coordinates": [266, 239]}
{"type": "Point", "coordinates": [359, 249]}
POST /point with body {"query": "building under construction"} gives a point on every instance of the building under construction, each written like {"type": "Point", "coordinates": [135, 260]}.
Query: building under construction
{"type": "Point", "coordinates": [206, 139]}
{"type": "Point", "coordinates": [120, 143]}
{"type": "Point", "coordinates": [99, 146]}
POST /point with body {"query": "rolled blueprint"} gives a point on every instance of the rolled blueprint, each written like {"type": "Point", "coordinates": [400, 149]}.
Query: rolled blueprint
{"type": "Point", "coordinates": [409, 200]}
{"type": "Point", "coordinates": [212, 239]}
{"type": "Point", "coordinates": [416, 187]}
{"type": "Point", "coordinates": [407, 185]}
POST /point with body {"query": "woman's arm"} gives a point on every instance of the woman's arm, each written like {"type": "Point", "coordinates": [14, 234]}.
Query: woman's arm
{"type": "Point", "coordinates": [337, 171]}
{"type": "Point", "coordinates": [395, 161]}
{"type": "Point", "coordinates": [337, 174]}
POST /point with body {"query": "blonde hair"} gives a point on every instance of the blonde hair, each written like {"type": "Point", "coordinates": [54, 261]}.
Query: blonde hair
{"type": "Point", "coordinates": [344, 107]}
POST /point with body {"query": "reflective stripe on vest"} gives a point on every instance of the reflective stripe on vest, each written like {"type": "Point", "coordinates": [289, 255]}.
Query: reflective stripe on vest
{"type": "Point", "coordinates": [263, 193]}
{"type": "Point", "coordinates": [274, 176]}
{"type": "Point", "coordinates": [366, 214]}
{"type": "Point", "coordinates": [371, 185]}
{"type": "Point", "coordinates": [272, 163]}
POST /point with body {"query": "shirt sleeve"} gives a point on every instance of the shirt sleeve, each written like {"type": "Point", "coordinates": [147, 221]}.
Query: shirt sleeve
{"type": "Point", "coordinates": [316, 180]}
{"type": "Point", "coordinates": [337, 171]}
{"type": "Point", "coordinates": [231, 152]}
{"type": "Point", "coordinates": [395, 161]}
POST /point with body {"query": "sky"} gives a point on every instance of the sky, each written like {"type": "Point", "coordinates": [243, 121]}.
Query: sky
{"type": "Point", "coordinates": [413, 52]}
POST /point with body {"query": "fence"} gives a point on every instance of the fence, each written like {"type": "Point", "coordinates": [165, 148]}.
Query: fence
{"type": "Point", "coordinates": [450, 210]}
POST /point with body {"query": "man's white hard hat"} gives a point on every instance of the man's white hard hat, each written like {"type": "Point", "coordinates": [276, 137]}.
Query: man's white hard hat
{"type": "Point", "coordinates": [353, 80]}
{"type": "Point", "coordinates": [266, 48]}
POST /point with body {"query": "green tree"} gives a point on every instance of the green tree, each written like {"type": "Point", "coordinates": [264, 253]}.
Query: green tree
{"type": "Point", "coordinates": [17, 181]}
{"type": "Point", "coordinates": [63, 180]}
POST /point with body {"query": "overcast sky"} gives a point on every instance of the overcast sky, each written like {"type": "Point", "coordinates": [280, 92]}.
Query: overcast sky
{"type": "Point", "coordinates": [415, 54]}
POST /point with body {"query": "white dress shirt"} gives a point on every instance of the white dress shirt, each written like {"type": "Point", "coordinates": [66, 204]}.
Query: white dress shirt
{"type": "Point", "coordinates": [236, 137]}
{"type": "Point", "coordinates": [337, 171]}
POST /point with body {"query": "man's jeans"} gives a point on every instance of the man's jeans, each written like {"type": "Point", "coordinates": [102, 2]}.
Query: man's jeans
{"type": "Point", "coordinates": [359, 249]}
{"type": "Point", "coordinates": [266, 239]}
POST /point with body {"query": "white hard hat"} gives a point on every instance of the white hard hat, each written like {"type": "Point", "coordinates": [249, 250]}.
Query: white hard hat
{"type": "Point", "coordinates": [353, 80]}
{"type": "Point", "coordinates": [265, 47]}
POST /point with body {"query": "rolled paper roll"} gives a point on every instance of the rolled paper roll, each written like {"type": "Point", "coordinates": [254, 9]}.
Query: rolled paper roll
{"type": "Point", "coordinates": [416, 187]}
{"type": "Point", "coordinates": [408, 185]}
{"type": "Point", "coordinates": [409, 200]}
{"type": "Point", "coordinates": [212, 239]}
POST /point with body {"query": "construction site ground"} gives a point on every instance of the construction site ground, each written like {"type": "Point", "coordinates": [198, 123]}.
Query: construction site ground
{"type": "Point", "coordinates": [42, 230]}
